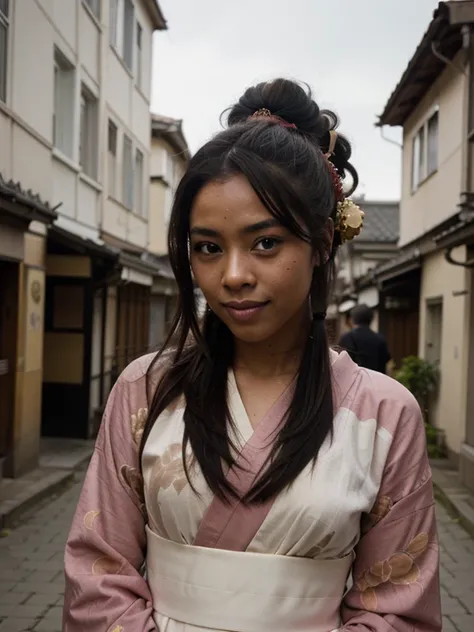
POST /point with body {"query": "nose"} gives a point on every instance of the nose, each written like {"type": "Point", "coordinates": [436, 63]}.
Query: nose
{"type": "Point", "coordinates": [238, 271]}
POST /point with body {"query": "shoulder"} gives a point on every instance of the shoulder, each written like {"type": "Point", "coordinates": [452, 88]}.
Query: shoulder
{"type": "Point", "coordinates": [138, 369]}
{"type": "Point", "coordinates": [345, 337]}
{"type": "Point", "coordinates": [151, 365]}
{"type": "Point", "coordinates": [373, 395]}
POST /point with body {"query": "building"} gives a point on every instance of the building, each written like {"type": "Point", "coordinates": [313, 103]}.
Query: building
{"type": "Point", "coordinates": [356, 259]}
{"type": "Point", "coordinates": [169, 159]}
{"type": "Point", "coordinates": [427, 290]}
{"type": "Point", "coordinates": [78, 135]}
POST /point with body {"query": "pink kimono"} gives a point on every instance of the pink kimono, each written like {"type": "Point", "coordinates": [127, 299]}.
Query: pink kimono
{"type": "Point", "coordinates": [351, 546]}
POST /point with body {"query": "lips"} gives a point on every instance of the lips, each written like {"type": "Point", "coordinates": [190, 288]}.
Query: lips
{"type": "Point", "coordinates": [243, 305]}
{"type": "Point", "coordinates": [244, 311]}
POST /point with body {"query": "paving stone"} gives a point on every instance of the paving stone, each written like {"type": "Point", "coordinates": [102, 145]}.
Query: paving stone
{"type": "Point", "coordinates": [47, 601]}
{"type": "Point", "coordinates": [30, 611]}
{"type": "Point", "coordinates": [463, 623]}
{"type": "Point", "coordinates": [17, 624]}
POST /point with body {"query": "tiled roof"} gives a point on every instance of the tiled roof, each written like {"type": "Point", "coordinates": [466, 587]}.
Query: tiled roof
{"type": "Point", "coordinates": [36, 207]}
{"type": "Point", "coordinates": [172, 130]}
{"type": "Point", "coordinates": [381, 222]}
{"type": "Point", "coordinates": [445, 35]}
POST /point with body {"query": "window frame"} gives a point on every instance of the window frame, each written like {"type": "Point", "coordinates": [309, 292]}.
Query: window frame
{"type": "Point", "coordinates": [139, 183]}
{"type": "Point", "coordinates": [63, 135]}
{"type": "Point", "coordinates": [127, 161]}
{"type": "Point", "coordinates": [112, 158]}
{"type": "Point", "coordinates": [95, 11]}
{"type": "Point", "coordinates": [88, 146]}
{"type": "Point", "coordinates": [139, 55]}
{"type": "Point", "coordinates": [114, 6]}
{"type": "Point", "coordinates": [421, 166]}
{"type": "Point", "coordinates": [128, 37]}
{"type": "Point", "coordinates": [4, 24]}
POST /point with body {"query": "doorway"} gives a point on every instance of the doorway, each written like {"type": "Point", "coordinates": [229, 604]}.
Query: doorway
{"type": "Point", "coordinates": [434, 330]}
{"type": "Point", "coordinates": [9, 279]}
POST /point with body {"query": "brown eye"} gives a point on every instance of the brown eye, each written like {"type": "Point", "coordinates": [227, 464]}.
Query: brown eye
{"type": "Point", "coordinates": [268, 244]}
{"type": "Point", "coordinates": [207, 248]}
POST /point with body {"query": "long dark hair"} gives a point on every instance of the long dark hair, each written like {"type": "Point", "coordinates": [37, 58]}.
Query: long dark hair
{"type": "Point", "coordinates": [289, 173]}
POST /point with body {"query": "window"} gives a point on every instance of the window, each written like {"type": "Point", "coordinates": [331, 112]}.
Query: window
{"type": "Point", "coordinates": [138, 187]}
{"type": "Point", "coordinates": [88, 138]}
{"type": "Point", "coordinates": [425, 151]}
{"type": "Point", "coordinates": [3, 48]}
{"type": "Point", "coordinates": [139, 56]}
{"type": "Point", "coordinates": [94, 6]}
{"type": "Point", "coordinates": [63, 115]}
{"type": "Point", "coordinates": [432, 157]}
{"type": "Point", "coordinates": [434, 329]}
{"type": "Point", "coordinates": [112, 159]}
{"type": "Point", "coordinates": [127, 173]}
{"type": "Point", "coordinates": [128, 39]}
{"type": "Point", "coordinates": [113, 23]}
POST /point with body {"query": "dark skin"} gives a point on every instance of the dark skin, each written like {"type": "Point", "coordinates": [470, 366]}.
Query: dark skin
{"type": "Point", "coordinates": [239, 252]}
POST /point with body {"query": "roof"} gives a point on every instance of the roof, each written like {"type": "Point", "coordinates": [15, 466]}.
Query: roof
{"type": "Point", "coordinates": [443, 39]}
{"type": "Point", "coordinates": [24, 203]}
{"type": "Point", "coordinates": [82, 245]}
{"type": "Point", "coordinates": [171, 130]}
{"type": "Point", "coordinates": [156, 15]}
{"type": "Point", "coordinates": [381, 221]}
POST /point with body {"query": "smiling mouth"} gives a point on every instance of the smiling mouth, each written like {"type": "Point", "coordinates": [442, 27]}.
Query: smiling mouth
{"type": "Point", "coordinates": [245, 310]}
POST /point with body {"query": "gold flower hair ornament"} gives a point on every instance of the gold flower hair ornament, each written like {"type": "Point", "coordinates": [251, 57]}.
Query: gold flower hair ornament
{"type": "Point", "coordinates": [349, 219]}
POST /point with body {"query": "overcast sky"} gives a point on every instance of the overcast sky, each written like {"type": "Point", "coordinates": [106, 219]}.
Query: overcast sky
{"type": "Point", "coordinates": [352, 53]}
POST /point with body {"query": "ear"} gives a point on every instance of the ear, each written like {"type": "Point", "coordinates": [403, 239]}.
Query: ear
{"type": "Point", "coordinates": [327, 238]}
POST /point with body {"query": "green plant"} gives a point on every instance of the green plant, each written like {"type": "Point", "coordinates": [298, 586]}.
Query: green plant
{"type": "Point", "coordinates": [421, 378]}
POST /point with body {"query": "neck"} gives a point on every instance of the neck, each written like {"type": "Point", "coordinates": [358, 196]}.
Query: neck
{"type": "Point", "coordinates": [279, 355]}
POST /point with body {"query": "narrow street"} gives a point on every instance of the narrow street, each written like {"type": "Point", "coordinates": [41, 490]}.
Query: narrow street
{"type": "Point", "coordinates": [31, 570]}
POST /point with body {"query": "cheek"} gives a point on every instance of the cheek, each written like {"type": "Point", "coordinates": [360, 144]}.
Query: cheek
{"type": "Point", "coordinates": [294, 274]}
{"type": "Point", "coordinates": [206, 276]}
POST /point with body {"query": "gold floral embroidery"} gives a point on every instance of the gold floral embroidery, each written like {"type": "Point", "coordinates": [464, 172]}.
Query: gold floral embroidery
{"type": "Point", "coordinates": [138, 422]}
{"type": "Point", "coordinates": [399, 569]}
{"type": "Point", "coordinates": [132, 478]}
{"type": "Point", "coordinates": [106, 566]}
{"type": "Point", "coordinates": [89, 519]}
{"type": "Point", "coordinates": [382, 507]}
{"type": "Point", "coordinates": [168, 469]}
{"type": "Point", "coordinates": [118, 628]}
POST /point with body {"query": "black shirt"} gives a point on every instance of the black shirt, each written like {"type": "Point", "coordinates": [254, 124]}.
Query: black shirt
{"type": "Point", "coordinates": [367, 348]}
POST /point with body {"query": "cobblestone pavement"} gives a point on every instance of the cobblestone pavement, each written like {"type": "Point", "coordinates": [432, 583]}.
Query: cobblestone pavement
{"type": "Point", "coordinates": [31, 569]}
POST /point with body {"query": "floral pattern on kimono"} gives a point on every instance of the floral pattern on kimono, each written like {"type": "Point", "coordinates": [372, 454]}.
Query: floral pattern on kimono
{"type": "Point", "coordinates": [395, 572]}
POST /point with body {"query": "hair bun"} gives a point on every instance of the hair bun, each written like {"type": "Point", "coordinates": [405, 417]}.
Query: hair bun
{"type": "Point", "coordinates": [284, 98]}
{"type": "Point", "coordinates": [294, 103]}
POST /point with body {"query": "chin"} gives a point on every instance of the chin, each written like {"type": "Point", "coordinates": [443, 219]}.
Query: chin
{"type": "Point", "coordinates": [251, 334]}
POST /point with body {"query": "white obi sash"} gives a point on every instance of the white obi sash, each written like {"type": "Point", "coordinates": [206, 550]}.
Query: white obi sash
{"type": "Point", "coordinates": [244, 592]}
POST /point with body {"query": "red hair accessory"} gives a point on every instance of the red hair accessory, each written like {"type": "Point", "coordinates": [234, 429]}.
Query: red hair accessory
{"type": "Point", "coordinates": [336, 181]}
{"type": "Point", "coordinates": [265, 113]}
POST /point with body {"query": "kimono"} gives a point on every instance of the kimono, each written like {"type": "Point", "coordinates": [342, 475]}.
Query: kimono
{"type": "Point", "coordinates": [350, 546]}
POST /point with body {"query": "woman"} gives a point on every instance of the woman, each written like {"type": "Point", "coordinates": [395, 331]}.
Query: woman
{"type": "Point", "coordinates": [304, 498]}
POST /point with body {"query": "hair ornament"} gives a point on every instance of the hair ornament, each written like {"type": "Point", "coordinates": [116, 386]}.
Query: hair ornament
{"type": "Point", "coordinates": [266, 114]}
{"type": "Point", "coordinates": [349, 219]}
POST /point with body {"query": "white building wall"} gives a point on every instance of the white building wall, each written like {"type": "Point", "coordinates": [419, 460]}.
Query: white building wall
{"type": "Point", "coordinates": [38, 28]}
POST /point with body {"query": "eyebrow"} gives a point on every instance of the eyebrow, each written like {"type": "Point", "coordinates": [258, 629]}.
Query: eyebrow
{"type": "Point", "coordinates": [252, 228]}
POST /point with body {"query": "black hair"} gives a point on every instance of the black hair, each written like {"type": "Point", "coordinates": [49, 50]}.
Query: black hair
{"type": "Point", "coordinates": [362, 315]}
{"type": "Point", "coordinates": [289, 173]}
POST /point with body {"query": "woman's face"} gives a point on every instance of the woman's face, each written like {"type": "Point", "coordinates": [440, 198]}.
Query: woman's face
{"type": "Point", "coordinates": [255, 274]}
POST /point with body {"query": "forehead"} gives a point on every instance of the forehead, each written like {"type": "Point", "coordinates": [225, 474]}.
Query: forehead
{"type": "Point", "coordinates": [232, 201]}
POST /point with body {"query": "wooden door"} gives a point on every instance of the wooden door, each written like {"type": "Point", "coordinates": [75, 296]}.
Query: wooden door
{"type": "Point", "coordinates": [9, 280]}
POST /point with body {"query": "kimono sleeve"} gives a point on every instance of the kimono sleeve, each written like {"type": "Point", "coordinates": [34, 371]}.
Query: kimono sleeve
{"type": "Point", "coordinates": [105, 591]}
{"type": "Point", "coordinates": [396, 570]}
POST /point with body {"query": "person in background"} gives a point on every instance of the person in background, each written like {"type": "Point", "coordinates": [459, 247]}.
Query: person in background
{"type": "Point", "coordinates": [366, 347]}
